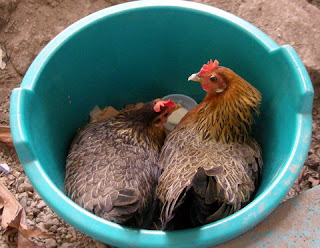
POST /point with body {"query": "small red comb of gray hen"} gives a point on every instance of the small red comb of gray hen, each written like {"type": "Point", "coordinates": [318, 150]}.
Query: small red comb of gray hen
{"type": "Point", "coordinates": [210, 66]}
{"type": "Point", "coordinates": [161, 104]}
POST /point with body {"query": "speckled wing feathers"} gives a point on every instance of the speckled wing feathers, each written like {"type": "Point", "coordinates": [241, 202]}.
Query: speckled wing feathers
{"type": "Point", "coordinates": [188, 162]}
{"type": "Point", "coordinates": [109, 177]}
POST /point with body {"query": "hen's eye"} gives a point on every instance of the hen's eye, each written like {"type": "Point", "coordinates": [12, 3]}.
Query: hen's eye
{"type": "Point", "coordinates": [166, 114]}
{"type": "Point", "coordinates": [213, 78]}
{"type": "Point", "coordinates": [157, 121]}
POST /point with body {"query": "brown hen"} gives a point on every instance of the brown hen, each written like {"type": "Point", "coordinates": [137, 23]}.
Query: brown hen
{"type": "Point", "coordinates": [112, 166]}
{"type": "Point", "coordinates": [210, 164]}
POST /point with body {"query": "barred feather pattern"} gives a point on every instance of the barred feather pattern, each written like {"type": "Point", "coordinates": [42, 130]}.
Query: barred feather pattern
{"type": "Point", "coordinates": [112, 169]}
{"type": "Point", "coordinates": [234, 168]}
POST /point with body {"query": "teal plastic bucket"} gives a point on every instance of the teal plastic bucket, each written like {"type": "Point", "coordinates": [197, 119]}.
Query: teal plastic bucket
{"type": "Point", "coordinates": [143, 50]}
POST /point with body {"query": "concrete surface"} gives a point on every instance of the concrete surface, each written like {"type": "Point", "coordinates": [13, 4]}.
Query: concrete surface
{"type": "Point", "coordinates": [295, 223]}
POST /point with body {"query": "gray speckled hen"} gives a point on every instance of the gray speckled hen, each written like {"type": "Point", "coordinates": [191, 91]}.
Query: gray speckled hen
{"type": "Point", "coordinates": [112, 166]}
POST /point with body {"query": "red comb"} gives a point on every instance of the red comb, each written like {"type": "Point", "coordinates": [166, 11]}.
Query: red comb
{"type": "Point", "coordinates": [160, 104]}
{"type": "Point", "coordinates": [210, 66]}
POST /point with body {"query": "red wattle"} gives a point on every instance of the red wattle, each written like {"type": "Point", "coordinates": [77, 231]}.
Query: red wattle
{"type": "Point", "coordinates": [205, 87]}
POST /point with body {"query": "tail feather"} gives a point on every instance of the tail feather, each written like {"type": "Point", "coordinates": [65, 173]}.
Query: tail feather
{"type": "Point", "coordinates": [169, 208]}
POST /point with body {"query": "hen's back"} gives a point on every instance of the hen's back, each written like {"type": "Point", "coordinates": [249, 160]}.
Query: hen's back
{"type": "Point", "coordinates": [110, 175]}
{"type": "Point", "coordinates": [215, 175]}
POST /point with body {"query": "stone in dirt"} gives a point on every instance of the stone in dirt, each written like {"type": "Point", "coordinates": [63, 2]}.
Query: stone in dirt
{"type": "Point", "coordinates": [50, 243]}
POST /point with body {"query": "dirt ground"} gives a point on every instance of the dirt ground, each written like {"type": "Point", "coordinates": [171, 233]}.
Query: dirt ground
{"type": "Point", "coordinates": [26, 26]}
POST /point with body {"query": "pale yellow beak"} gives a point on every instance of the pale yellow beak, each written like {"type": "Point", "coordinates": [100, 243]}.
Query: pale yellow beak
{"type": "Point", "coordinates": [194, 77]}
{"type": "Point", "coordinates": [177, 106]}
